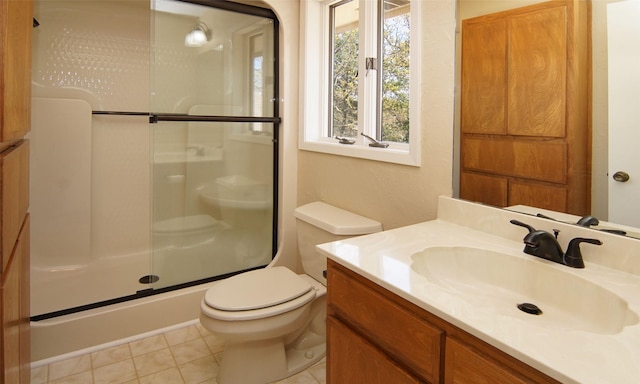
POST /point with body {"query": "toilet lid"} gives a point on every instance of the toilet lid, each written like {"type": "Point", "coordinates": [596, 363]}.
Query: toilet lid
{"type": "Point", "coordinates": [256, 289]}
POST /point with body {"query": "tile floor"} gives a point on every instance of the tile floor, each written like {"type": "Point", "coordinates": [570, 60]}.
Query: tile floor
{"type": "Point", "coordinates": [188, 355]}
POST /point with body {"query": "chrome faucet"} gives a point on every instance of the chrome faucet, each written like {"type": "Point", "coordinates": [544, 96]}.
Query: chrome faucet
{"type": "Point", "coordinates": [545, 245]}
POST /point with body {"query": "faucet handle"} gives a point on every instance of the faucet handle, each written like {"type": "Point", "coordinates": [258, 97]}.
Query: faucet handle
{"type": "Point", "coordinates": [521, 224]}
{"type": "Point", "coordinates": [573, 256]}
{"type": "Point", "coordinates": [587, 221]}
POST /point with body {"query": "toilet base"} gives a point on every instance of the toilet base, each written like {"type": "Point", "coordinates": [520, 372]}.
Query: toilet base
{"type": "Point", "coordinates": [265, 361]}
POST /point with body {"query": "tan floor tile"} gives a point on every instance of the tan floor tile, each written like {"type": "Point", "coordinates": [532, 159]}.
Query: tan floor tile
{"type": "Point", "coordinates": [40, 375]}
{"type": "Point", "coordinates": [189, 351]}
{"type": "Point", "coordinates": [194, 361]}
{"type": "Point", "coordinates": [150, 344]}
{"type": "Point", "coordinates": [168, 376]}
{"type": "Point", "coordinates": [110, 356]}
{"type": "Point", "coordinates": [154, 362]}
{"type": "Point", "coordinates": [182, 335]}
{"type": "Point", "coordinates": [203, 331]}
{"type": "Point", "coordinates": [319, 371]}
{"type": "Point", "coordinates": [215, 344]}
{"type": "Point", "coordinates": [197, 371]}
{"type": "Point", "coordinates": [303, 377]}
{"type": "Point", "coordinates": [218, 357]}
{"type": "Point", "coordinates": [69, 367]}
{"type": "Point", "coordinates": [119, 372]}
{"type": "Point", "coordinates": [209, 381]}
{"type": "Point", "coordinates": [79, 378]}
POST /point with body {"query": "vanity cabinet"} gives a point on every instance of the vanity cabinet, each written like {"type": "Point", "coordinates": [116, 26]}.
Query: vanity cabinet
{"type": "Point", "coordinates": [525, 133]}
{"type": "Point", "coordinates": [14, 267]}
{"type": "Point", "coordinates": [16, 24]}
{"type": "Point", "coordinates": [375, 336]}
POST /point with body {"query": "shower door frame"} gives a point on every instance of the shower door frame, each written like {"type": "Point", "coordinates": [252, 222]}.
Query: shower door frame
{"type": "Point", "coordinates": [174, 117]}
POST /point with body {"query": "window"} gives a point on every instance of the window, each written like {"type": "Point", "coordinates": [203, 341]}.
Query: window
{"type": "Point", "coordinates": [364, 57]}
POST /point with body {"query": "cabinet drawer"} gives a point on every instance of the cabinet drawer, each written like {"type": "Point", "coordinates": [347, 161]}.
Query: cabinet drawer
{"type": "Point", "coordinates": [463, 365]}
{"type": "Point", "coordinates": [408, 338]}
{"type": "Point", "coordinates": [14, 196]}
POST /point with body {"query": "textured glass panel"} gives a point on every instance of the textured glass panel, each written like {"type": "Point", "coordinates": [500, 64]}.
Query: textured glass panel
{"type": "Point", "coordinates": [212, 200]}
{"type": "Point", "coordinates": [216, 77]}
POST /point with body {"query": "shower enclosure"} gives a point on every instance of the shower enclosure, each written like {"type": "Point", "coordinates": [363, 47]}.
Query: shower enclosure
{"type": "Point", "coordinates": [154, 148]}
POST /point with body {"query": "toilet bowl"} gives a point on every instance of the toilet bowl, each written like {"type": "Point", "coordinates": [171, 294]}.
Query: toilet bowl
{"type": "Point", "coordinates": [181, 242]}
{"type": "Point", "coordinates": [272, 320]}
{"type": "Point", "coordinates": [187, 231]}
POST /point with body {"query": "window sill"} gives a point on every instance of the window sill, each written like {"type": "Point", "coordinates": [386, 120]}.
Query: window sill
{"type": "Point", "coordinates": [395, 153]}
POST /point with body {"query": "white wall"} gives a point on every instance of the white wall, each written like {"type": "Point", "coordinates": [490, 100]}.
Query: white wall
{"type": "Point", "coordinates": [398, 195]}
{"type": "Point", "coordinates": [288, 12]}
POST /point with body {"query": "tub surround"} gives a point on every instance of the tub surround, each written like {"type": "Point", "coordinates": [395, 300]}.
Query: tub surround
{"type": "Point", "coordinates": [563, 352]}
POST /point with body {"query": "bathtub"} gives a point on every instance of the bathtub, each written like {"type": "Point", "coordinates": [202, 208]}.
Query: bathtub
{"type": "Point", "coordinates": [105, 280]}
{"type": "Point", "coordinates": [70, 334]}
{"type": "Point", "coordinates": [110, 278]}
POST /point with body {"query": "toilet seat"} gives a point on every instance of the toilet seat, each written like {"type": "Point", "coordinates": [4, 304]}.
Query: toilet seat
{"type": "Point", "coordinates": [257, 294]}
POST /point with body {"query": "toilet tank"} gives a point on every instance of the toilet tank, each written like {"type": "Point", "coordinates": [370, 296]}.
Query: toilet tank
{"type": "Point", "coordinates": [319, 223]}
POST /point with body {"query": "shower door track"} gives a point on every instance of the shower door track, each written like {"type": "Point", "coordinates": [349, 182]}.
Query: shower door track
{"type": "Point", "coordinates": [138, 295]}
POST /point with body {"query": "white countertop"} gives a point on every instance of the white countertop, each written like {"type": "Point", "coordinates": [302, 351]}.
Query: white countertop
{"type": "Point", "coordinates": [562, 352]}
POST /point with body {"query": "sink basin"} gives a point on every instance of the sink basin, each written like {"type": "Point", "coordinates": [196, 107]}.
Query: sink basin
{"type": "Point", "coordinates": [498, 282]}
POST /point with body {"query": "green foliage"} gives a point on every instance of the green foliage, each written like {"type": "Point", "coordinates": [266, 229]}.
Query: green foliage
{"type": "Point", "coordinates": [395, 81]}
{"type": "Point", "coordinates": [345, 84]}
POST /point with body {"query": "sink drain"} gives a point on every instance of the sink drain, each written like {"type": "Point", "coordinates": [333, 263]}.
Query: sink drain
{"type": "Point", "coordinates": [529, 308]}
{"type": "Point", "coordinates": [148, 279]}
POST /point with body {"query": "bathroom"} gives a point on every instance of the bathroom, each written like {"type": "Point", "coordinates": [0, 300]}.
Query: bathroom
{"type": "Point", "coordinates": [305, 176]}
{"type": "Point", "coordinates": [121, 215]}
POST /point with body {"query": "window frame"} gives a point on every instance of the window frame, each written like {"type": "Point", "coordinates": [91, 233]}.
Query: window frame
{"type": "Point", "coordinates": [315, 93]}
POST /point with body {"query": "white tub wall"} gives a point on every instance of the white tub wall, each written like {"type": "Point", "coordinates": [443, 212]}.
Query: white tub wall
{"type": "Point", "coordinates": [67, 334]}
{"type": "Point", "coordinates": [77, 56]}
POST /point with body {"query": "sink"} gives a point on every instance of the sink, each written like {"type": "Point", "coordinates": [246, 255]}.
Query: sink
{"type": "Point", "coordinates": [498, 282]}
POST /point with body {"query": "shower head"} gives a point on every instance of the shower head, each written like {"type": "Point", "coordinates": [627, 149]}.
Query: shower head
{"type": "Point", "coordinates": [36, 24]}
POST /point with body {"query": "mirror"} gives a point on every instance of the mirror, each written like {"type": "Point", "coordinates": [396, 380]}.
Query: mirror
{"type": "Point", "coordinates": [601, 110]}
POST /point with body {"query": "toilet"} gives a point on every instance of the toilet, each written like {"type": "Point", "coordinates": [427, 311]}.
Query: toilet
{"type": "Point", "coordinates": [272, 320]}
{"type": "Point", "coordinates": [180, 243]}
{"type": "Point", "coordinates": [184, 231]}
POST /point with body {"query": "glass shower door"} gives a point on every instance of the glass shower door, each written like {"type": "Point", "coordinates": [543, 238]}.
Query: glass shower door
{"type": "Point", "coordinates": [214, 154]}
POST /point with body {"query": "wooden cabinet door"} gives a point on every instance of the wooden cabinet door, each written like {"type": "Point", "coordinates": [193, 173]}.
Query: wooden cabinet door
{"type": "Point", "coordinates": [537, 65]}
{"type": "Point", "coordinates": [16, 23]}
{"type": "Point", "coordinates": [523, 136]}
{"type": "Point", "coordinates": [484, 78]}
{"type": "Point", "coordinates": [14, 196]}
{"type": "Point", "coordinates": [359, 361]}
{"type": "Point", "coordinates": [464, 366]}
{"type": "Point", "coordinates": [10, 334]}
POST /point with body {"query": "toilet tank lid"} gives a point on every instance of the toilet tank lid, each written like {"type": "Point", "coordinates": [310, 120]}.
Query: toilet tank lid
{"type": "Point", "coordinates": [335, 220]}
